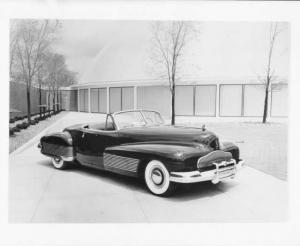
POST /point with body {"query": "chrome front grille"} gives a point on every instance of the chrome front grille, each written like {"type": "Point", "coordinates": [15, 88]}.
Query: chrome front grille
{"type": "Point", "coordinates": [225, 169]}
{"type": "Point", "coordinates": [120, 162]}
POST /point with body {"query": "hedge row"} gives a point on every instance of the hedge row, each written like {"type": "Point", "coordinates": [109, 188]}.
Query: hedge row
{"type": "Point", "coordinates": [17, 118]}
{"type": "Point", "coordinates": [25, 125]}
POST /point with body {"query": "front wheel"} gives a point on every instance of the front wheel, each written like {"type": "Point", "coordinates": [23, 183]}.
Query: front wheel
{"type": "Point", "coordinates": [157, 179]}
{"type": "Point", "coordinates": [59, 163]}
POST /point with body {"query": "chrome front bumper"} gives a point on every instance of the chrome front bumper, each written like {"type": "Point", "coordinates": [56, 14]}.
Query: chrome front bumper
{"type": "Point", "coordinates": [221, 172]}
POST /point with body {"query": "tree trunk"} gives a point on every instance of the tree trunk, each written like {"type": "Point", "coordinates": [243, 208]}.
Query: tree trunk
{"type": "Point", "coordinates": [49, 102]}
{"type": "Point", "coordinates": [53, 101]}
{"type": "Point", "coordinates": [173, 106]}
{"type": "Point", "coordinates": [28, 105]}
{"type": "Point", "coordinates": [57, 100]}
{"type": "Point", "coordinates": [266, 104]}
{"type": "Point", "coordinates": [40, 99]}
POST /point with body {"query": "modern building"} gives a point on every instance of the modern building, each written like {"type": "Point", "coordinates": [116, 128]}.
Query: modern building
{"type": "Point", "coordinates": [202, 98]}
{"type": "Point", "coordinates": [218, 72]}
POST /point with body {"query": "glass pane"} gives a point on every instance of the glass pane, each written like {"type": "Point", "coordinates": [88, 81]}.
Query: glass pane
{"type": "Point", "coordinates": [152, 118]}
{"type": "Point", "coordinates": [156, 98]}
{"type": "Point", "coordinates": [127, 98]}
{"type": "Point", "coordinates": [73, 100]}
{"type": "Point", "coordinates": [94, 100]}
{"type": "Point", "coordinates": [115, 99]}
{"type": "Point", "coordinates": [205, 100]}
{"type": "Point", "coordinates": [81, 100]}
{"type": "Point", "coordinates": [184, 102]}
{"type": "Point", "coordinates": [279, 101]}
{"type": "Point", "coordinates": [86, 100]}
{"type": "Point", "coordinates": [129, 119]}
{"type": "Point", "coordinates": [254, 100]}
{"type": "Point", "coordinates": [230, 100]}
{"type": "Point", "coordinates": [102, 100]}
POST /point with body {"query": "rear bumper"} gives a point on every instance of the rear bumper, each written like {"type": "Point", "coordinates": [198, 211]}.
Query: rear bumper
{"type": "Point", "coordinates": [215, 175]}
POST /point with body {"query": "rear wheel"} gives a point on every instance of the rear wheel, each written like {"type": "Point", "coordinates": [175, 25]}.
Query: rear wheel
{"type": "Point", "coordinates": [59, 163]}
{"type": "Point", "coordinates": [157, 179]}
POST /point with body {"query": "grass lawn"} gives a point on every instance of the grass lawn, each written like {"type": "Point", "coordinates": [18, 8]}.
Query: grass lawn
{"type": "Point", "coordinates": [25, 135]}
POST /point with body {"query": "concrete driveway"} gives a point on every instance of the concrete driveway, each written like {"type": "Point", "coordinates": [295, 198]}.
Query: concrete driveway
{"type": "Point", "coordinates": [40, 193]}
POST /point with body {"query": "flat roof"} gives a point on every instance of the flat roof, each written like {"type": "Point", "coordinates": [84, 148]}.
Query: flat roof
{"type": "Point", "coordinates": [189, 81]}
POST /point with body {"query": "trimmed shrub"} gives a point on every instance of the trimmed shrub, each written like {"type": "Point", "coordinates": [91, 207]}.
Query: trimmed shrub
{"type": "Point", "coordinates": [20, 126]}
{"type": "Point", "coordinates": [16, 129]}
{"type": "Point", "coordinates": [25, 125]}
{"type": "Point", "coordinates": [34, 121]}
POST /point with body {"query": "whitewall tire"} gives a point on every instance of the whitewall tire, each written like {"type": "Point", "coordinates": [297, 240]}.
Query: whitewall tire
{"type": "Point", "coordinates": [157, 179]}
{"type": "Point", "coordinates": [59, 163]}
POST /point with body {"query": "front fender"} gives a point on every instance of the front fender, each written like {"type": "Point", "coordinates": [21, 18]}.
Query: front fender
{"type": "Point", "coordinates": [175, 156]}
{"type": "Point", "coordinates": [171, 152]}
{"type": "Point", "coordinates": [232, 148]}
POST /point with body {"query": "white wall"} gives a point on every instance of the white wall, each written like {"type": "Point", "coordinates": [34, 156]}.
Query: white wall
{"type": "Point", "coordinates": [230, 100]}
{"type": "Point", "coordinates": [254, 96]}
{"type": "Point", "coordinates": [235, 100]}
{"type": "Point", "coordinates": [184, 100]}
{"type": "Point", "coordinates": [155, 98]}
{"type": "Point", "coordinates": [279, 101]}
{"type": "Point", "coordinates": [205, 100]}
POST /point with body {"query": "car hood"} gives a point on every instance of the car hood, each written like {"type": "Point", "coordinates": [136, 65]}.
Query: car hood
{"type": "Point", "coordinates": [169, 133]}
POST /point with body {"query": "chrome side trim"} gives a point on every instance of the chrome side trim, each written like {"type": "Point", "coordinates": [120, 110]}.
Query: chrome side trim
{"type": "Point", "coordinates": [120, 162]}
{"type": "Point", "coordinates": [211, 175]}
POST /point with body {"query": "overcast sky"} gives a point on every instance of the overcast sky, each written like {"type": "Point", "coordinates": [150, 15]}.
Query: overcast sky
{"type": "Point", "coordinates": [120, 50]}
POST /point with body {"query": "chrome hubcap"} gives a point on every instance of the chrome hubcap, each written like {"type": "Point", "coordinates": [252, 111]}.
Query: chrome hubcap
{"type": "Point", "coordinates": [157, 177]}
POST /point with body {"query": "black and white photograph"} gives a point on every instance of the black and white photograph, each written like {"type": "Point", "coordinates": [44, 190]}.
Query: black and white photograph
{"type": "Point", "coordinates": [149, 123]}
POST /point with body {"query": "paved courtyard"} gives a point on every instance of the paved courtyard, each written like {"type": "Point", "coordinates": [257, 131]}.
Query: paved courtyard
{"type": "Point", "coordinates": [40, 193]}
{"type": "Point", "coordinates": [263, 146]}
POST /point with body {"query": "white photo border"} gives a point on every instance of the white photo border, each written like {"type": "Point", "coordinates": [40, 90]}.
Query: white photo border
{"type": "Point", "coordinates": [208, 234]}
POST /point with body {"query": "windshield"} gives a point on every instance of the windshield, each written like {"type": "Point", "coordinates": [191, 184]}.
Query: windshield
{"type": "Point", "coordinates": [137, 119]}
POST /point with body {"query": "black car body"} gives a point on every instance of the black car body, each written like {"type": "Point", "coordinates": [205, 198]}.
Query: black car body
{"type": "Point", "coordinates": [162, 154]}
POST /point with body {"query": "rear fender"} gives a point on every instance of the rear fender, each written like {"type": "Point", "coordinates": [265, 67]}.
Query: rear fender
{"type": "Point", "coordinates": [58, 144]}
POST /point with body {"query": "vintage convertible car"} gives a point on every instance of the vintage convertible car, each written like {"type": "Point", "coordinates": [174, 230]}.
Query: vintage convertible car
{"type": "Point", "coordinates": [138, 143]}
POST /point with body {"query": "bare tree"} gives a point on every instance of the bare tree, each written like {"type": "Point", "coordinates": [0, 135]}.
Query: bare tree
{"type": "Point", "coordinates": [41, 77]}
{"type": "Point", "coordinates": [32, 39]}
{"type": "Point", "coordinates": [13, 38]}
{"type": "Point", "coordinates": [57, 75]}
{"type": "Point", "coordinates": [169, 42]}
{"type": "Point", "coordinates": [269, 77]}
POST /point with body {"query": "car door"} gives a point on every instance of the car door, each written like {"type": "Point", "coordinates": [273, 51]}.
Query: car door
{"type": "Point", "coordinates": [91, 144]}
